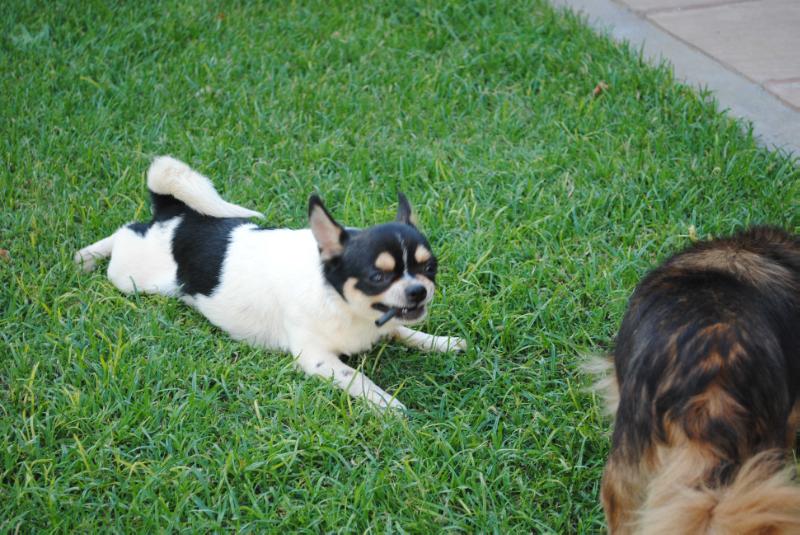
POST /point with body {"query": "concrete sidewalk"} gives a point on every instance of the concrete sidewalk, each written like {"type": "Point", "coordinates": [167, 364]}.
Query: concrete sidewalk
{"type": "Point", "coordinates": [746, 51]}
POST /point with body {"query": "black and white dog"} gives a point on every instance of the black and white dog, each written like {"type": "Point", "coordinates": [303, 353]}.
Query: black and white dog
{"type": "Point", "coordinates": [317, 293]}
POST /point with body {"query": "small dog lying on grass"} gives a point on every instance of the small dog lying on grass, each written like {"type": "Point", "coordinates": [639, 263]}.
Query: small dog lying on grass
{"type": "Point", "coordinates": [707, 388]}
{"type": "Point", "coordinates": [317, 293]}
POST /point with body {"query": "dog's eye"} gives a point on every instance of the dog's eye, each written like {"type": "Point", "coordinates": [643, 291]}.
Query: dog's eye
{"type": "Point", "coordinates": [377, 276]}
{"type": "Point", "coordinates": [430, 267]}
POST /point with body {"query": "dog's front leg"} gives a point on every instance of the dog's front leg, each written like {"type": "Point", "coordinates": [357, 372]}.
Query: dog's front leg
{"type": "Point", "coordinates": [326, 364]}
{"type": "Point", "coordinates": [428, 342]}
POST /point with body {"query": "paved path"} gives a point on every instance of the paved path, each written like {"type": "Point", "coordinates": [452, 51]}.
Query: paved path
{"type": "Point", "coordinates": [746, 51]}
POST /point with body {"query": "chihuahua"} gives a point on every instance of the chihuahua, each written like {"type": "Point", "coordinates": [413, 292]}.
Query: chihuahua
{"type": "Point", "coordinates": [317, 293]}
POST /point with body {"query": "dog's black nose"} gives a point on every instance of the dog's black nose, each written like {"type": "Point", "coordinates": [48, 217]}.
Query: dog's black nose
{"type": "Point", "coordinates": [416, 292]}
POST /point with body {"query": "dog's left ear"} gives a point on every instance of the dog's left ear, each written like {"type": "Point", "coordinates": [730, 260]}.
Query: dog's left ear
{"type": "Point", "coordinates": [329, 234]}
{"type": "Point", "coordinates": [404, 212]}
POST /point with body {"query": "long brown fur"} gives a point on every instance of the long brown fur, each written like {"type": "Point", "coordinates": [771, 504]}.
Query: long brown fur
{"type": "Point", "coordinates": [707, 380]}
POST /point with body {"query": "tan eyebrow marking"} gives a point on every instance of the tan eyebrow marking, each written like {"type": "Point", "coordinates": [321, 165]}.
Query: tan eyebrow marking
{"type": "Point", "coordinates": [385, 262]}
{"type": "Point", "coordinates": [422, 254]}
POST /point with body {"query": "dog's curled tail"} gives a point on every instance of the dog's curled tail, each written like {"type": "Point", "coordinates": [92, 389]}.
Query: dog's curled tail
{"type": "Point", "coordinates": [761, 499]}
{"type": "Point", "coordinates": [168, 176]}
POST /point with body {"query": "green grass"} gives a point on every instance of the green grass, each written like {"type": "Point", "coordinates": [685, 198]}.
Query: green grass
{"type": "Point", "coordinates": [545, 205]}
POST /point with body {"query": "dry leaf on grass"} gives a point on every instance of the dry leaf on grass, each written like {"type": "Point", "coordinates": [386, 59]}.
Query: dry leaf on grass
{"type": "Point", "coordinates": [599, 88]}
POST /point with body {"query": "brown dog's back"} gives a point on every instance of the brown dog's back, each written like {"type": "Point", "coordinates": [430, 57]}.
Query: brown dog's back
{"type": "Point", "coordinates": [707, 363]}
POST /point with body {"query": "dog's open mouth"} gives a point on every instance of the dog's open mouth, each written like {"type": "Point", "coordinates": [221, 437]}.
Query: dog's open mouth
{"type": "Point", "coordinates": [402, 313]}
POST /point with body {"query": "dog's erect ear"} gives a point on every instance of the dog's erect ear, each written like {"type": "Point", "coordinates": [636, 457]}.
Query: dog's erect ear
{"type": "Point", "coordinates": [329, 234]}
{"type": "Point", "coordinates": [404, 212]}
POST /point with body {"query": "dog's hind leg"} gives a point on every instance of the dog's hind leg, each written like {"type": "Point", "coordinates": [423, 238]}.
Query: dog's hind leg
{"type": "Point", "coordinates": [326, 364]}
{"type": "Point", "coordinates": [144, 262]}
{"type": "Point", "coordinates": [428, 342]}
{"type": "Point", "coordinates": [87, 257]}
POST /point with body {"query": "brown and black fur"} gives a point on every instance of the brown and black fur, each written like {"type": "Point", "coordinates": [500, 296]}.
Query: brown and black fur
{"type": "Point", "coordinates": [707, 367]}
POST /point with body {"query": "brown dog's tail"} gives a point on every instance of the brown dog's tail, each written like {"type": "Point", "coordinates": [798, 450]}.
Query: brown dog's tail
{"type": "Point", "coordinates": [761, 499]}
{"type": "Point", "coordinates": [601, 369]}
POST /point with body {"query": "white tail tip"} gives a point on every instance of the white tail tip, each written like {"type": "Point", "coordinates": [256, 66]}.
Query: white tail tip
{"type": "Point", "coordinates": [168, 176]}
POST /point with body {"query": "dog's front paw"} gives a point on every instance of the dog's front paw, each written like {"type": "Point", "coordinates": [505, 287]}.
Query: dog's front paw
{"type": "Point", "coordinates": [459, 344]}
{"type": "Point", "coordinates": [394, 404]}
{"type": "Point", "coordinates": [385, 401]}
{"type": "Point", "coordinates": [450, 343]}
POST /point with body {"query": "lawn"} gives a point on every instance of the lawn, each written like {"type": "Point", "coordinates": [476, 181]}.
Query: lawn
{"type": "Point", "coordinates": [544, 201]}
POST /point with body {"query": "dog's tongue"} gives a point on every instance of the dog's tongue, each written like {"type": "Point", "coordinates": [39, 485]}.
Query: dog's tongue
{"type": "Point", "coordinates": [389, 314]}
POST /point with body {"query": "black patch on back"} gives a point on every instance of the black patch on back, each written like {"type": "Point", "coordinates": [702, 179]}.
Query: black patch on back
{"type": "Point", "coordinates": [139, 228]}
{"type": "Point", "coordinates": [165, 207]}
{"type": "Point", "coordinates": [199, 247]}
{"type": "Point", "coordinates": [199, 244]}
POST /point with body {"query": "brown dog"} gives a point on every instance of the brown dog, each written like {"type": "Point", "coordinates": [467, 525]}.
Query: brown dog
{"type": "Point", "coordinates": [707, 381]}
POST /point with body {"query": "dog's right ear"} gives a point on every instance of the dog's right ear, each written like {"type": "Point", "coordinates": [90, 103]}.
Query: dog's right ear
{"type": "Point", "coordinates": [405, 214]}
{"type": "Point", "coordinates": [329, 234]}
